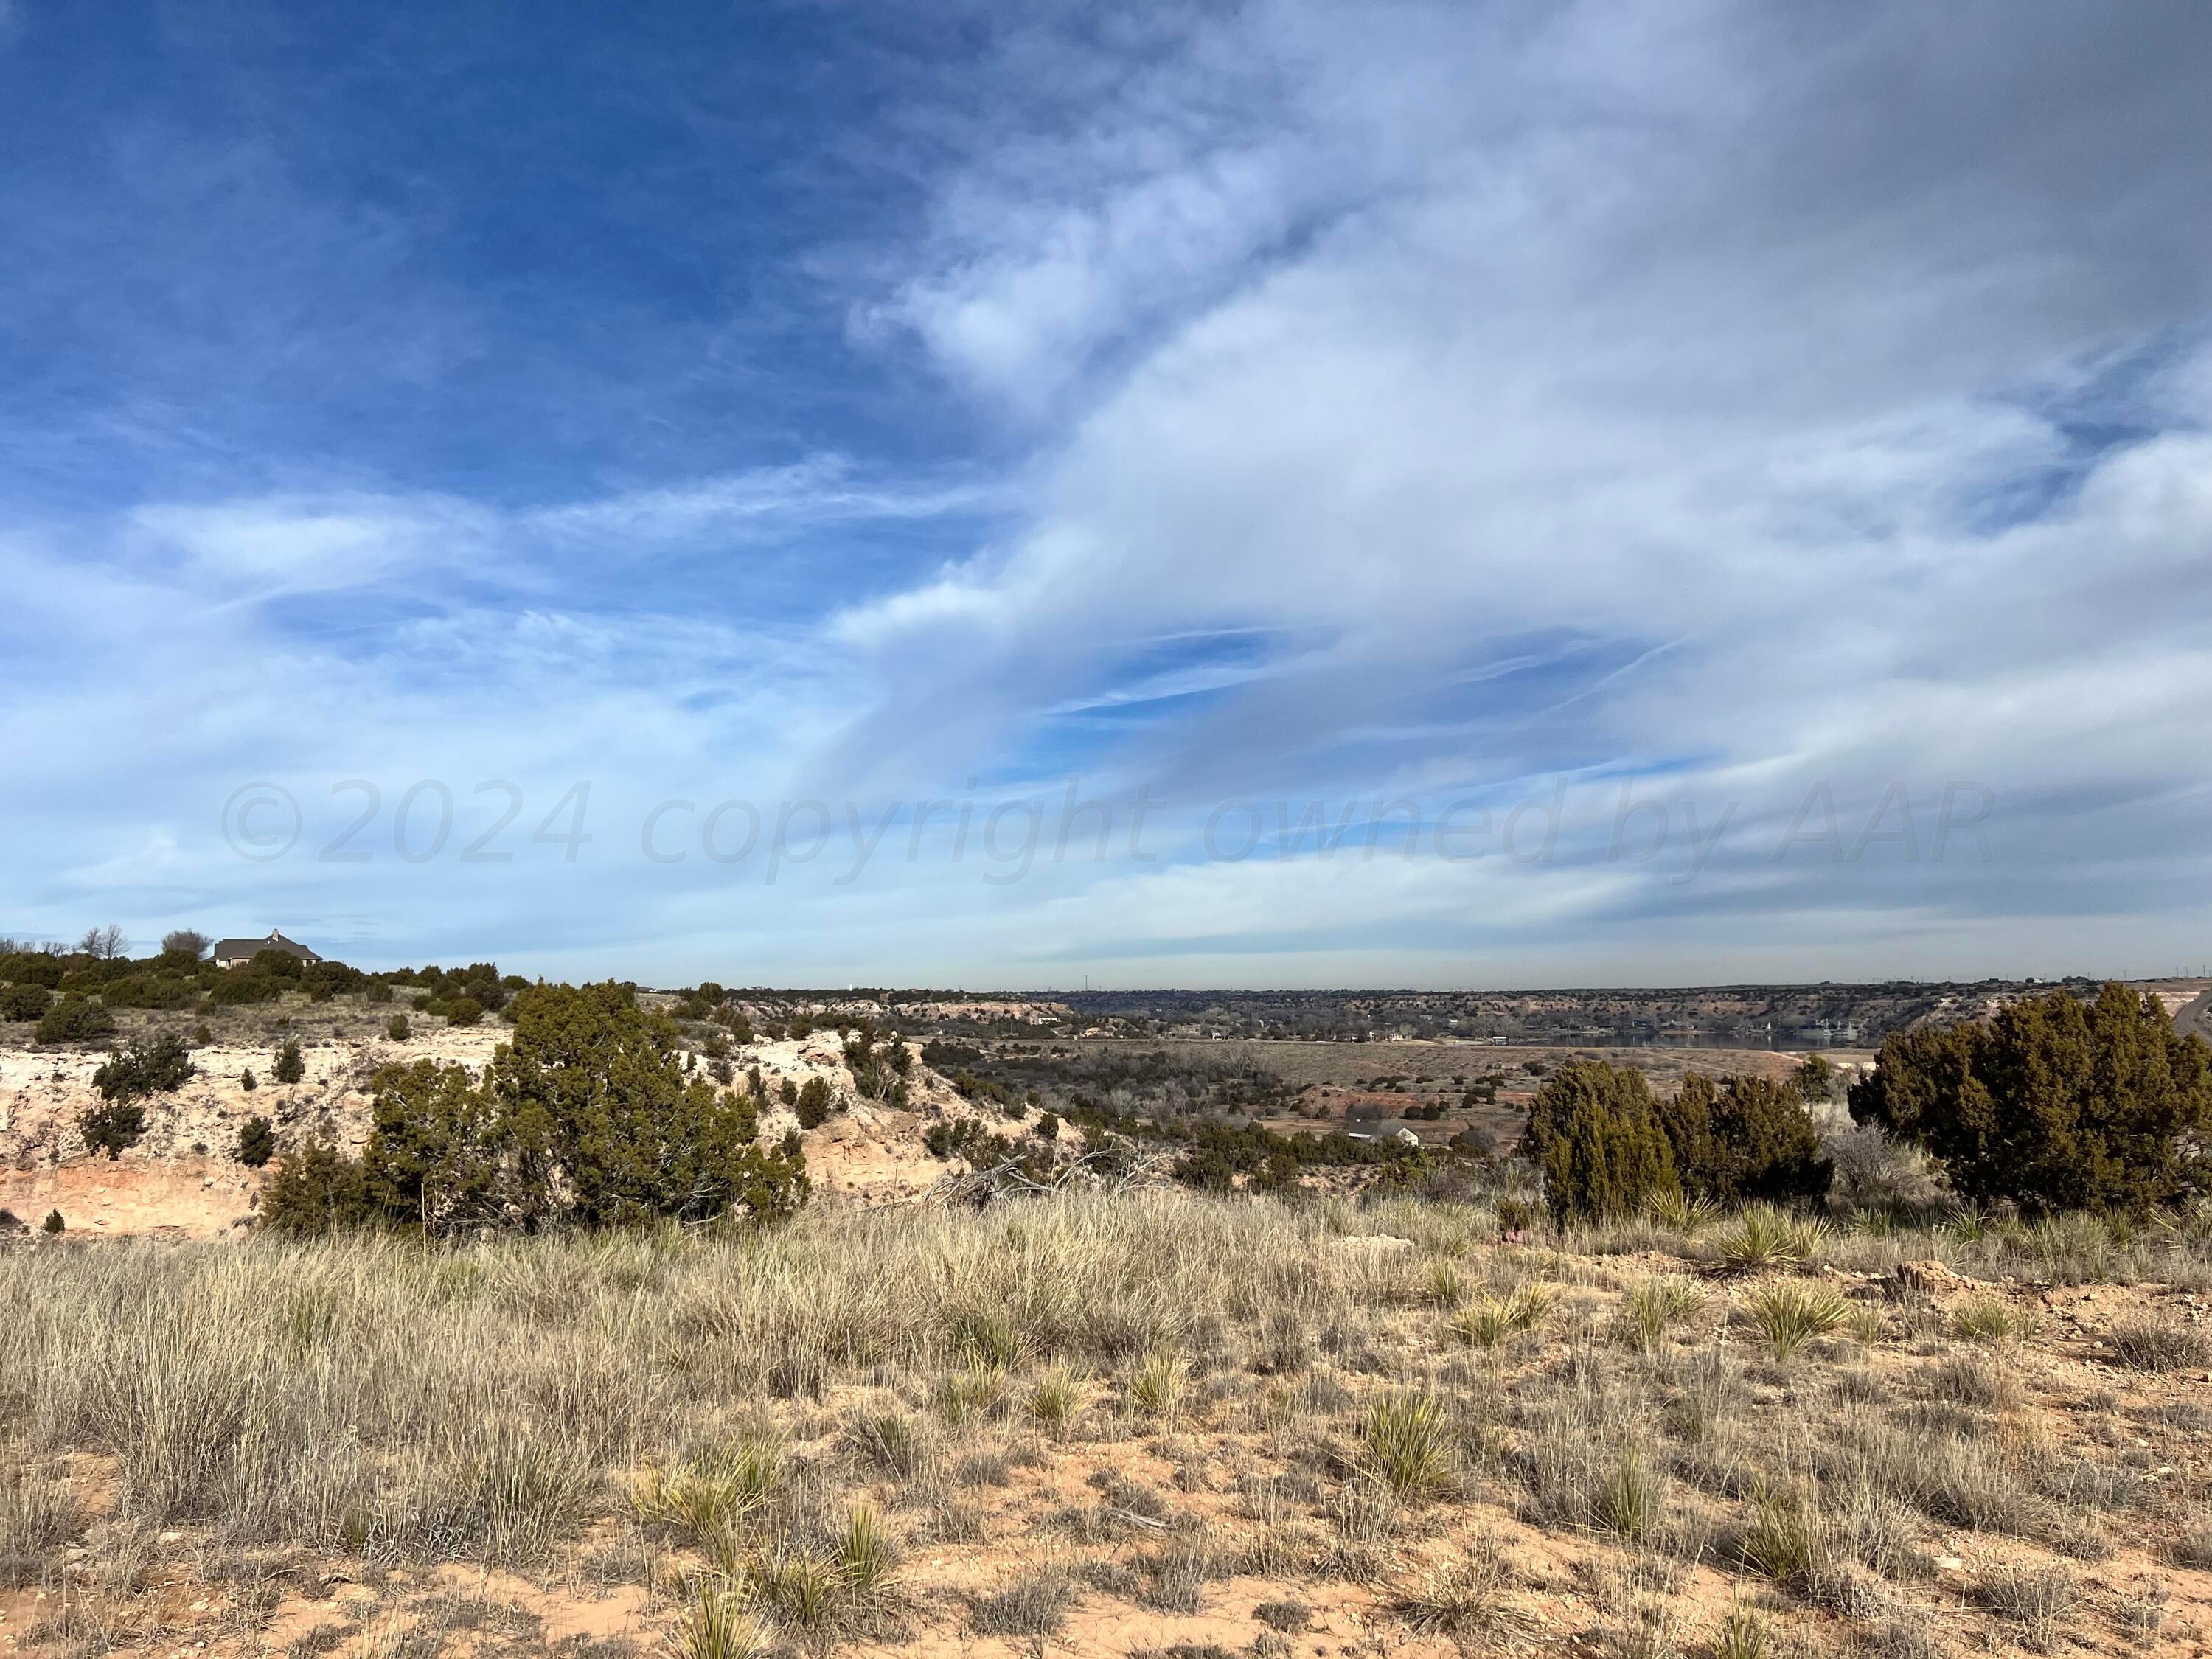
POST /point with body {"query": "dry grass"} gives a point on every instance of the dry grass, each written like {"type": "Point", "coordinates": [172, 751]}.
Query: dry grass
{"type": "Point", "coordinates": [1464, 1600]}
{"type": "Point", "coordinates": [2146, 1344]}
{"type": "Point", "coordinates": [1147, 1400]}
{"type": "Point", "coordinates": [2034, 1599]}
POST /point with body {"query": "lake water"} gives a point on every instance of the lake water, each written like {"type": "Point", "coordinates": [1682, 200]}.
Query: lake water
{"type": "Point", "coordinates": [1790, 1039]}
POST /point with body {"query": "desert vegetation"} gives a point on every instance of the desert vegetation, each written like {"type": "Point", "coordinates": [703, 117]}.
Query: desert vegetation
{"type": "Point", "coordinates": [1215, 1415]}
{"type": "Point", "coordinates": [570, 1353]}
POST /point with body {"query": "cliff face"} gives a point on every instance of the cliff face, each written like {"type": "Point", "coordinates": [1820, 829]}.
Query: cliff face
{"type": "Point", "coordinates": [181, 1176]}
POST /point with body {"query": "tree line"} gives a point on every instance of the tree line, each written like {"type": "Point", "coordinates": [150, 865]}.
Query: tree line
{"type": "Point", "coordinates": [2052, 1104]}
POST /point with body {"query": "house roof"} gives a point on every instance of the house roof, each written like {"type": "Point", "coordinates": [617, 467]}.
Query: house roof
{"type": "Point", "coordinates": [230, 949]}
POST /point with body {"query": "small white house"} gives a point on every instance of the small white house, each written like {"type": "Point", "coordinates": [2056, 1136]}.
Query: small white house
{"type": "Point", "coordinates": [1399, 1133]}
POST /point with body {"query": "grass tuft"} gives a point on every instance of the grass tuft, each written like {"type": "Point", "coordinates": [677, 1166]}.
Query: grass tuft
{"type": "Point", "coordinates": [1991, 1319]}
{"type": "Point", "coordinates": [1487, 1320]}
{"type": "Point", "coordinates": [1035, 1605]}
{"type": "Point", "coordinates": [1742, 1635]}
{"type": "Point", "coordinates": [2146, 1344]}
{"type": "Point", "coordinates": [2033, 1598]}
{"type": "Point", "coordinates": [1462, 1601]}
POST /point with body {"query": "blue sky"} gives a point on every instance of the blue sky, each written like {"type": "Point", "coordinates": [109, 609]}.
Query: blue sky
{"type": "Point", "coordinates": [1577, 454]}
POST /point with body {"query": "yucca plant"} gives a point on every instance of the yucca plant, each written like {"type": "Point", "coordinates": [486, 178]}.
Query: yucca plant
{"type": "Point", "coordinates": [1487, 1320]}
{"type": "Point", "coordinates": [1683, 1211]}
{"type": "Point", "coordinates": [805, 1588]}
{"type": "Point", "coordinates": [1742, 1635]}
{"type": "Point", "coordinates": [1408, 1442]}
{"type": "Point", "coordinates": [1483, 1323]}
{"type": "Point", "coordinates": [892, 1442]}
{"type": "Point", "coordinates": [1054, 1398]}
{"type": "Point", "coordinates": [1790, 1314]}
{"type": "Point", "coordinates": [1867, 1324]}
{"type": "Point", "coordinates": [717, 1626]}
{"type": "Point", "coordinates": [1657, 1302]}
{"type": "Point", "coordinates": [1990, 1319]}
{"type": "Point", "coordinates": [975, 1390]}
{"type": "Point", "coordinates": [864, 1549]}
{"type": "Point", "coordinates": [1967, 1224]}
{"type": "Point", "coordinates": [1447, 1288]}
{"type": "Point", "coordinates": [988, 1340]}
{"type": "Point", "coordinates": [707, 1495]}
{"type": "Point", "coordinates": [1629, 1497]}
{"type": "Point", "coordinates": [1157, 1383]}
{"type": "Point", "coordinates": [1778, 1542]}
{"type": "Point", "coordinates": [1764, 1238]}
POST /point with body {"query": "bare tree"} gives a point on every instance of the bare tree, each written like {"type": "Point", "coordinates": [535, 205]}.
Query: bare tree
{"type": "Point", "coordinates": [185, 942]}
{"type": "Point", "coordinates": [103, 944]}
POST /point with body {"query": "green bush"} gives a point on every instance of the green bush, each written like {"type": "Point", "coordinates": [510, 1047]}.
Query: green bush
{"type": "Point", "coordinates": [1750, 1140]}
{"type": "Point", "coordinates": [377, 991]}
{"type": "Point", "coordinates": [2053, 1105]}
{"type": "Point", "coordinates": [396, 1027]}
{"type": "Point", "coordinates": [25, 1001]}
{"type": "Point", "coordinates": [257, 1142]}
{"type": "Point", "coordinates": [247, 1081]}
{"type": "Point", "coordinates": [289, 1067]}
{"type": "Point", "coordinates": [160, 1066]}
{"type": "Point", "coordinates": [112, 1127]}
{"type": "Point", "coordinates": [1594, 1130]}
{"type": "Point", "coordinates": [75, 1020]}
{"type": "Point", "coordinates": [1814, 1080]}
{"type": "Point", "coordinates": [157, 990]}
{"type": "Point", "coordinates": [316, 1190]}
{"type": "Point", "coordinates": [54, 1224]}
{"type": "Point", "coordinates": [33, 968]}
{"type": "Point", "coordinates": [241, 988]}
{"type": "Point", "coordinates": [463, 1011]}
{"type": "Point", "coordinates": [813, 1104]}
{"type": "Point", "coordinates": [589, 1116]}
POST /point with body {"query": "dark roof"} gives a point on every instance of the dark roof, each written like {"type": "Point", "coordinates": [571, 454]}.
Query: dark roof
{"type": "Point", "coordinates": [246, 949]}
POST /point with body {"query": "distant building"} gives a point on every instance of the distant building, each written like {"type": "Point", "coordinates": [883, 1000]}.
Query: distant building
{"type": "Point", "coordinates": [1397, 1132]}
{"type": "Point", "coordinates": [237, 952]}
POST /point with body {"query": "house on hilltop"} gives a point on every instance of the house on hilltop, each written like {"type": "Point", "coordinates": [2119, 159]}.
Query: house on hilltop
{"type": "Point", "coordinates": [237, 952]}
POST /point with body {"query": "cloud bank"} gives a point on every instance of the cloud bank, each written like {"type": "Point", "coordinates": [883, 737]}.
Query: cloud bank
{"type": "Point", "coordinates": [1773, 419]}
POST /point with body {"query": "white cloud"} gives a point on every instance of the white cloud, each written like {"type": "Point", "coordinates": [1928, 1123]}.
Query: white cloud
{"type": "Point", "coordinates": [1732, 399]}
{"type": "Point", "coordinates": [263, 549]}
